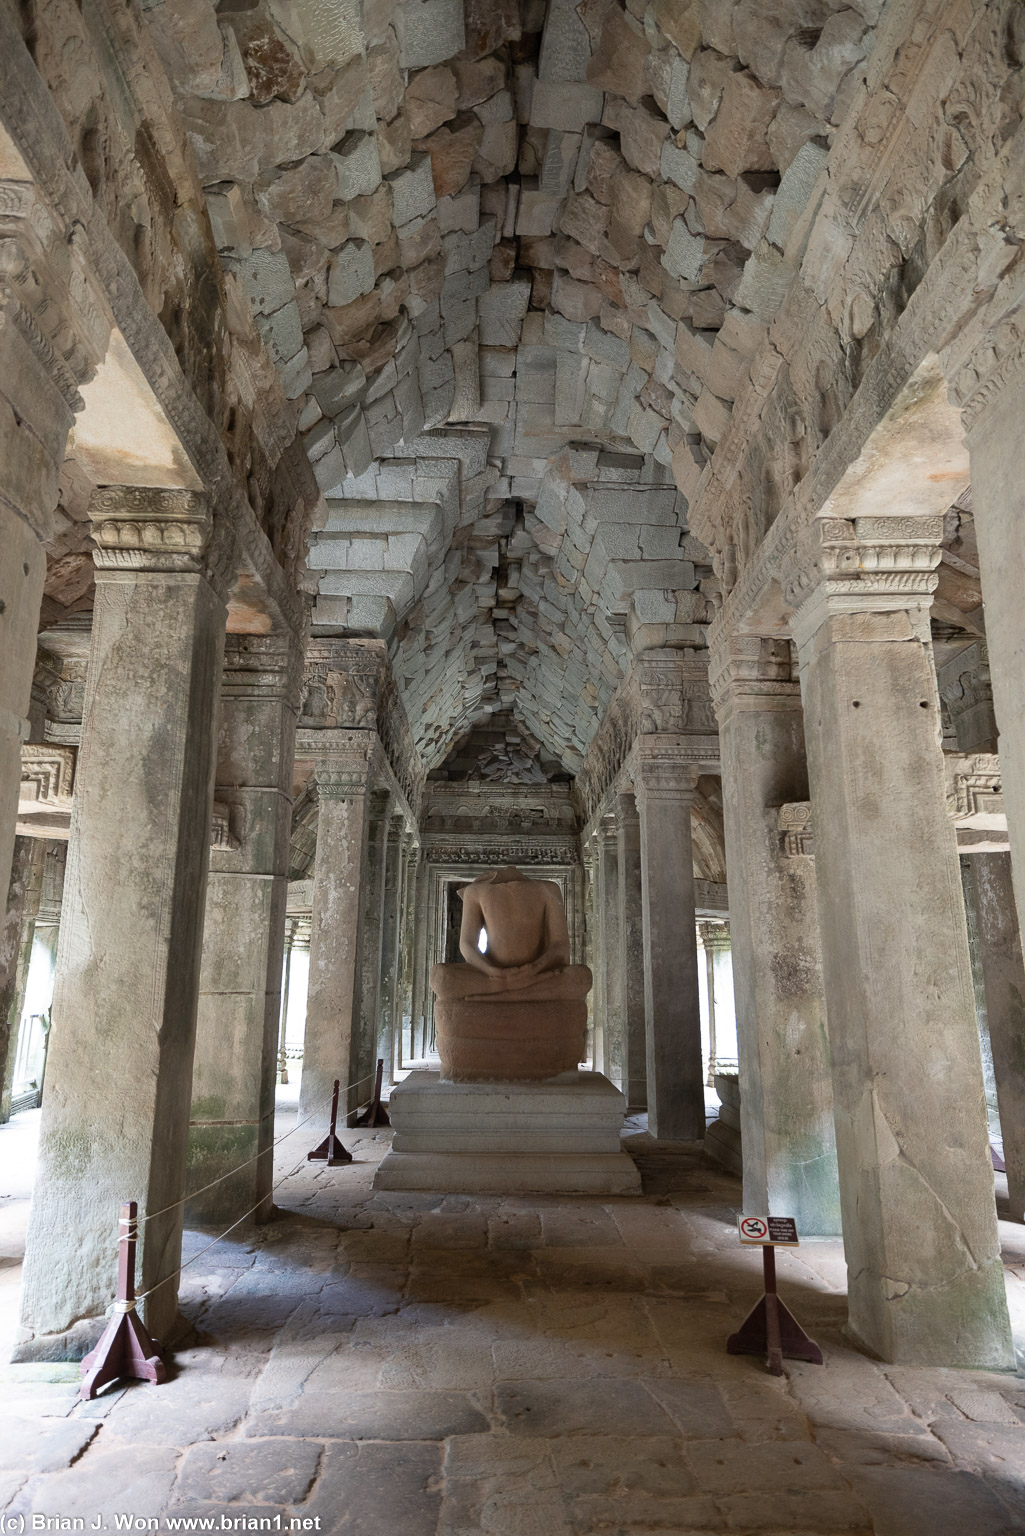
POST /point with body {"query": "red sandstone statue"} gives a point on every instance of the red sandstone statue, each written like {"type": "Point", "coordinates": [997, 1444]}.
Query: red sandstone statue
{"type": "Point", "coordinates": [517, 1011]}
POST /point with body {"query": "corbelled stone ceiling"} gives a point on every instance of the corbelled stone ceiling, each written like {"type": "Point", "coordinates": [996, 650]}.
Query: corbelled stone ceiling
{"type": "Point", "coordinates": [512, 260]}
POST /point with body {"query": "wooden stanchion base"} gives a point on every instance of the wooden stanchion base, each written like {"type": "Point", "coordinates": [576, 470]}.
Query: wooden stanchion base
{"type": "Point", "coordinates": [125, 1350]}
{"type": "Point", "coordinates": [331, 1150]}
{"type": "Point", "coordinates": [771, 1329]}
{"type": "Point", "coordinates": [375, 1112]}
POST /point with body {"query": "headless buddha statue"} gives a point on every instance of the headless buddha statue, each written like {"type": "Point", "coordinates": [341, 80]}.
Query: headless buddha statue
{"type": "Point", "coordinates": [518, 1010]}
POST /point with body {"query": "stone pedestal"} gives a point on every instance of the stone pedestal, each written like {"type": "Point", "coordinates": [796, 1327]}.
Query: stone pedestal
{"type": "Point", "coordinates": [555, 1137]}
{"type": "Point", "coordinates": [786, 1093]}
{"type": "Point", "coordinates": [232, 1117]}
{"type": "Point", "coordinates": [926, 1284]}
{"type": "Point", "coordinates": [676, 1094]}
{"type": "Point", "coordinates": [119, 1068]}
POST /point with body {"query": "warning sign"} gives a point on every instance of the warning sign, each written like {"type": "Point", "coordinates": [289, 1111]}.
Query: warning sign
{"type": "Point", "coordinates": [779, 1231]}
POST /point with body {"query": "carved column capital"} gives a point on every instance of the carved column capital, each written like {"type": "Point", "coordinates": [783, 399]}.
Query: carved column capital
{"type": "Point", "coordinates": [262, 667]}
{"type": "Point", "coordinates": [342, 762]}
{"type": "Point", "coordinates": [626, 811]}
{"type": "Point", "coordinates": [664, 770]}
{"type": "Point", "coordinates": [715, 937]}
{"type": "Point", "coordinates": [752, 672]}
{"type": "Point", "coordinates": [862, 565]}
{"type": "Point", "coordinates": [149, 529]}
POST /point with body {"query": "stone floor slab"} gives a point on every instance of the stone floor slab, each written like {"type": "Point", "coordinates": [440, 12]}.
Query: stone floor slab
{"type": "Point", "coordinates": [269, 1471]}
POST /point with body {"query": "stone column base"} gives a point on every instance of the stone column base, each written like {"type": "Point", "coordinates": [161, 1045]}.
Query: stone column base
{"type": "Point", "coordinates": [555, 1137]}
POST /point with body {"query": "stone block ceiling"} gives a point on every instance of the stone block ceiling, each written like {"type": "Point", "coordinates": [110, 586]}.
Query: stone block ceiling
{"type": "Point", "coordinates": [512, 261]}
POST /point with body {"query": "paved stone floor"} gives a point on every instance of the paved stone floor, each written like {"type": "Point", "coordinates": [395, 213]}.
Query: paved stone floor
{"type": "Point", "coordinates": [413, 1365]}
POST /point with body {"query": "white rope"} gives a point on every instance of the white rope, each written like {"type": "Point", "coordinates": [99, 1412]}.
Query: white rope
{"type": "Point", "coordinates": [192, 1195]}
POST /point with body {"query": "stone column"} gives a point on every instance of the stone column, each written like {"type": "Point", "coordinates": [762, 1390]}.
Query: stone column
{"type": "Point", "coordinates": [1003, 980]}
{"type": "Point", "coordinates": [664, 784]}
{"type": "Point", "coordinates": [595, 911]}
{"type": "Point", "coordinates": [331, 1043]}
{"type": "Point", "coordinates": [631, 952]}
{"type": "Point", "coordinates": [391, 932]}
{"type": "Point", "coordinates": [379, 837]}
{"type": "Point", "coordinates": [610, 957]}
{"type": "Point", "coordinates": [925, 1279]}
{"type": "Point", "coordinates": [38, 400]}
{"type": "Point", "coordinates": [421, 942]}
{"type": "Point", "coordinates": [119, 1070]}
{"type": "Point", "coordinates": [232, 1116]}
{"type": "Point", "coordinates": [16, 932]}
{"type": "Point", "coordinates": [786, 1093]}
{"type": "Point", "coordinates": [407, 953]}
{"type": "Point", "coordinates": [996, 446]}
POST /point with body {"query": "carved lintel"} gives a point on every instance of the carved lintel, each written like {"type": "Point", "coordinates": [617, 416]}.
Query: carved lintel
{"type": "Point", "coordinates": [996, 364]}
{"type": "Point", "coordinates": [794, 821]}
{"type": "Point", "coordinates": [711, 896]}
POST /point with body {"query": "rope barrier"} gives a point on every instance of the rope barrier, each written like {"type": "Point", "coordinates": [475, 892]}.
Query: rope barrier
{"type": "Point", "coordinates": [228, 1230]}
{"type": "Point", "coordinates": [176, 1272]}
{"type": "Point", "coordinates": [152, 1215]}
{"type": "Point", "coordinates": [125, 1347]}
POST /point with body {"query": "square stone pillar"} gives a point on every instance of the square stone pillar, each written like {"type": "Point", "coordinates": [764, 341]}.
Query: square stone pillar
{"type": "Point", "coordinates": [630, 900]}
{"type": "Point", "coordinates": [380, 839]}
{"type": "Point", "coordinates": [391, 934]}
{"type": "Point", "coordinates": [232, 1116]}
{"type": "Point", "coordinates": [17, 926]}
{"type": "Point", "coordinates": [996, 443]}
{"type": "Point", "coordinates": [595, 913]}
{"type": "Point", "coordinates": [331, 1045]}
{"type": "Point", "coordinates": [664, 784]}
{"type": "Point", "coordinates": [406, 1024]}
{"type": "Point", "coordinates": [926, 1284]}
{"type": "Point", "coordinates": [1003, 980]}
{"type": "Point", "coordinates": [38, 401]}
{"type": "Point", "coordinates": [610, 951]}
{"type": "Point", "coordinates": [786, 1093]}
{"type": "Point", "coordinates": [119, 1068]}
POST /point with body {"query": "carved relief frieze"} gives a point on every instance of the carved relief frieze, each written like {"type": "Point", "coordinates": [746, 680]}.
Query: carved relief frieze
{"type": "Point", "coordinates": [469, 809]}
{"type": "Point", "coordinates": [496, 851]}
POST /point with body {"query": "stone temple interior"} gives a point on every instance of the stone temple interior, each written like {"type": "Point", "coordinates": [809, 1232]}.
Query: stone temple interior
{"type": "Point", "coordinates": [439, 436]}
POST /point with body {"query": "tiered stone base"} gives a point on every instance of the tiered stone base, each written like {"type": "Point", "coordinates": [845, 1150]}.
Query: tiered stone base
{"type": "Point", "coordinates": [555, 1137]}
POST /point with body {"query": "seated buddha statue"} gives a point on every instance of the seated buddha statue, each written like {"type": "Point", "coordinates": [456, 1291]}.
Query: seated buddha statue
{"type": "Point", "coordinates": [518, 1010]}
